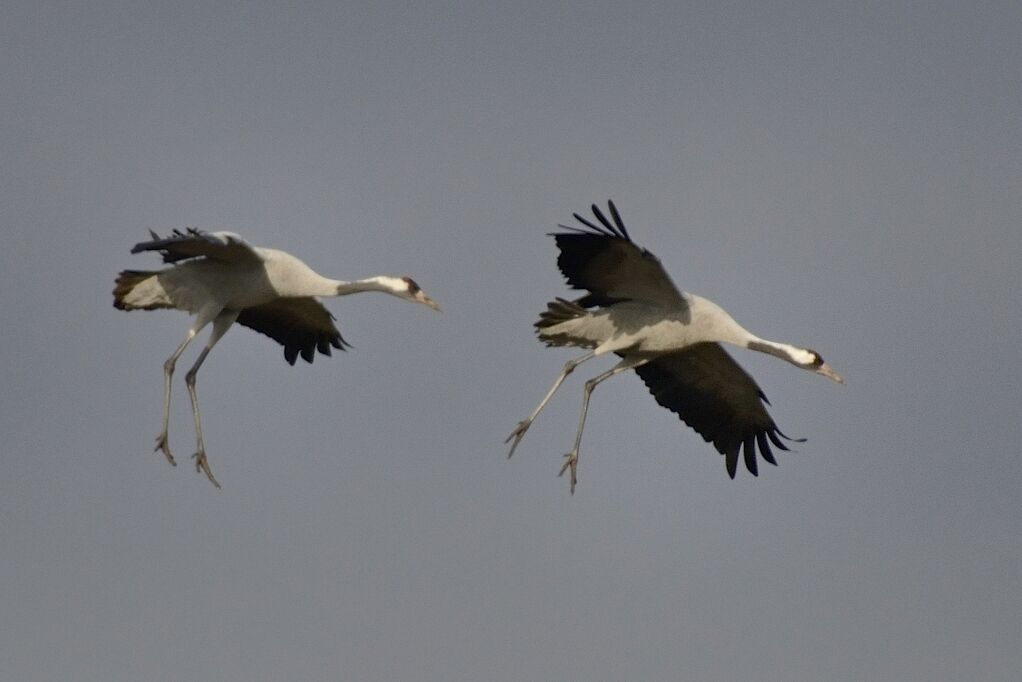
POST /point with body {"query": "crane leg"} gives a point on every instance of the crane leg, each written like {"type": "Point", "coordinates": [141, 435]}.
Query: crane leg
{"type": "Point", "coordinates": [168, 372]}
{"type": "Point", "coordinates": [221, 323]}
{"type": "Point", "coordinates": [571, 459]}
{"type": "Point", "coordinates": [523, 426]}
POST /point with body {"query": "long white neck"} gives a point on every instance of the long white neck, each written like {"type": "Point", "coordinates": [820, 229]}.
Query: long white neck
{"type": "Point", "coordinates": [388, 285]}
{"type": "Point", "coordinates": [739, 336]}
{"type": "Point", "coordinates": [289, 277]}
{"type": "Point", "coordinates": [785, 351]}
{"type": "Point", "coordinates": [722, 327]}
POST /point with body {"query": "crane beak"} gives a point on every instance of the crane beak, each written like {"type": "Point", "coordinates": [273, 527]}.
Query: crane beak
{"type": "Point", "coordinates": [825, 370]}
{"type": "Point", "coordinates": [425, 300]}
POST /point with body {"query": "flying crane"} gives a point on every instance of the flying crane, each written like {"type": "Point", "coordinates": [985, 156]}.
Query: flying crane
{"type": "Point", "coordinates": [218, 277]}
{"type": "Point", "coordinates": [669, 337]}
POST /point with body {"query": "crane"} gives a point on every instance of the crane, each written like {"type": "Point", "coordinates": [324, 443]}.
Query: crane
{"type": "Point", "coordinates": [218, 277]}
{"type": "Point", "coordinates": [671, 339]}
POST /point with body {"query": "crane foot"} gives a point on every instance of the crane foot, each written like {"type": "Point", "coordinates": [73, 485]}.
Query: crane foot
{"type": "Point", "coordinates": [202, 465]}
{"type": "Point", "coordinates": [161, 444]}
{"type": "Point", "coordinates": [571, 462]}
{"type": "Point", "coordinates": [517, 435]}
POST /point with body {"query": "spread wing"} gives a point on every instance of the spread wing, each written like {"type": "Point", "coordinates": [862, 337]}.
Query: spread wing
{"type": "Point", "coordinates": [603, 259]}
{"type": "Point", "coordinates": [226, 247]}
{"type": "Point", "coordinates": [717, 398]}
{"type": "Point", "coordinates": [301, 325]}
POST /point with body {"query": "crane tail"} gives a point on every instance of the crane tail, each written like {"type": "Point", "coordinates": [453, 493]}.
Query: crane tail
{"type": "Point", "coordinates": [139, 290]}
{"type": "Point", "coordinates": [557, 324]}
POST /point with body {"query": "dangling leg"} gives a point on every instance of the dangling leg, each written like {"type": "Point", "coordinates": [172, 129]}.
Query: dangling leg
{"type": "Point", "coordinates": [524, 425]}
{"type": "Point", "coordinates": [221, 324]}
{"type": "Point", "coordinates": [201, 320]}
{"type": "Point", "coordinates": [571, 459]}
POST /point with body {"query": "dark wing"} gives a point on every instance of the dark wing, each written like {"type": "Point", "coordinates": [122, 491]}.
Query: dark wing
{"type": "Point", "coordinates": [717, 398]}
{"type": "Point", "coordinates": [226, 247]}
{"type": "Point", "coordinates": [603, 259]}
{"type": "Point", "coordinates": [301, 325]}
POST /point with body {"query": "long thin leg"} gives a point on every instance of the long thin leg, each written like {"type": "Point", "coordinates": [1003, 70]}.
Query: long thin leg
{"type": "Point", "coordinates": [523, 426]}
{"type": "Point", "coordinates": [168, 372]}
{"type": "Point", "coordinates": [221, 324]}
{"type": "Point", "coordinates": [571, 459]}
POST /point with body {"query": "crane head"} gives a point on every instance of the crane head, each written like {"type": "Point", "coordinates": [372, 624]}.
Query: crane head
{"type": "Point", "coordinates": [413, 292]}
{"type": "Point", "coordinates": [823, 369]}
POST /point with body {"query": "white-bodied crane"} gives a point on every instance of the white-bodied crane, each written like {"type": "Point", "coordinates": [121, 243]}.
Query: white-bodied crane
{"type": "Point", "coordinates": [218, 277]}
{"type": "Point", "coordinates": [669, 337]}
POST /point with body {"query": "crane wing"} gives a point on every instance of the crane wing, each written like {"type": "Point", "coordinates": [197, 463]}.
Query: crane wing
{"type": "Point", "coordinates": [716, 397]}
{"type": "Point", "coordinates": [226, 247]}
{"type": "Point", "coordinates": [301, 325]}
{"type": "Point", "coordinates": [603, 259]}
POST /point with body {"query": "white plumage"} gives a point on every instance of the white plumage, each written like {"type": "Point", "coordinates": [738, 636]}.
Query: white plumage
{"type": "Point", "coordinates": [669, 337]}
{"type": "Point", "coordinates": [218, 277]}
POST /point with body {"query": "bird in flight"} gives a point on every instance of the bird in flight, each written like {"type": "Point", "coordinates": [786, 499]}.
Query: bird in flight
{"type": "Point", "coordinates": [671, 339]}
{"type": "Point", "coordinates": [218, 277]}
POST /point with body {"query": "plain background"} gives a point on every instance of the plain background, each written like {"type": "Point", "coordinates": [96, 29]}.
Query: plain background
{"type": "Point", "coordinates": [844, 176]}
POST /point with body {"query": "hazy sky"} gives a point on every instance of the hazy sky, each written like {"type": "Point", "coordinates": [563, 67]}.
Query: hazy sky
{"type": "Point", "coordinates": [846, 176]}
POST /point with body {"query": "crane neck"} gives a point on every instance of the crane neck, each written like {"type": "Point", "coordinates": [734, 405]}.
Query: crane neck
{"type": "Point", "coordinates": [723, 327]}
{"type": "Point", "coordinates": [384, 283]}
{"type": "Point", "coordinates": [785, 351]}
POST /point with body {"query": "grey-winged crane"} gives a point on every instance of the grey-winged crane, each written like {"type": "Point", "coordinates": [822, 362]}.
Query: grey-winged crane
{"type": "Point", "coordinates": [669, 337]}
{"type": "Point", "coordinates": [218, 277]}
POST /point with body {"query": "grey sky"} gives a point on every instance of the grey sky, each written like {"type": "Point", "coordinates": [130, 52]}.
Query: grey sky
{"type": "Point", "coordinates": [840, 175]}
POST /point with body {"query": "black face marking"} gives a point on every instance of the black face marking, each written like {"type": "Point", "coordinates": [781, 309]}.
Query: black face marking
{"type": "Point", "coordinates": [817, 359]}
{"type": "Point", "coordinates": [413, 288]}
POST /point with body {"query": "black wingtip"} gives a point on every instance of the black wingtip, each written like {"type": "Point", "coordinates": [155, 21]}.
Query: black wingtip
{"type": "Point", "coordinates": [591, 225]}
{"type": "Point", "coordinates": [603, 227]}
{"type": "Point", "coordinates": [793, 440]}
{"type": "Point", "coordinates": [777, 441]}
{"type": "Point", "coordinates": [731, 461]}
{"type": "Point", "coordinates": [617, 219]}
{"type": "Point", "coordinates": [749, 452]}
{"type": "Point", "coordinates": [602, 218]}
{"type": "Point", "coordinates": [764, 448]}
{"type": "Point", "coordinates": [615, 229]}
